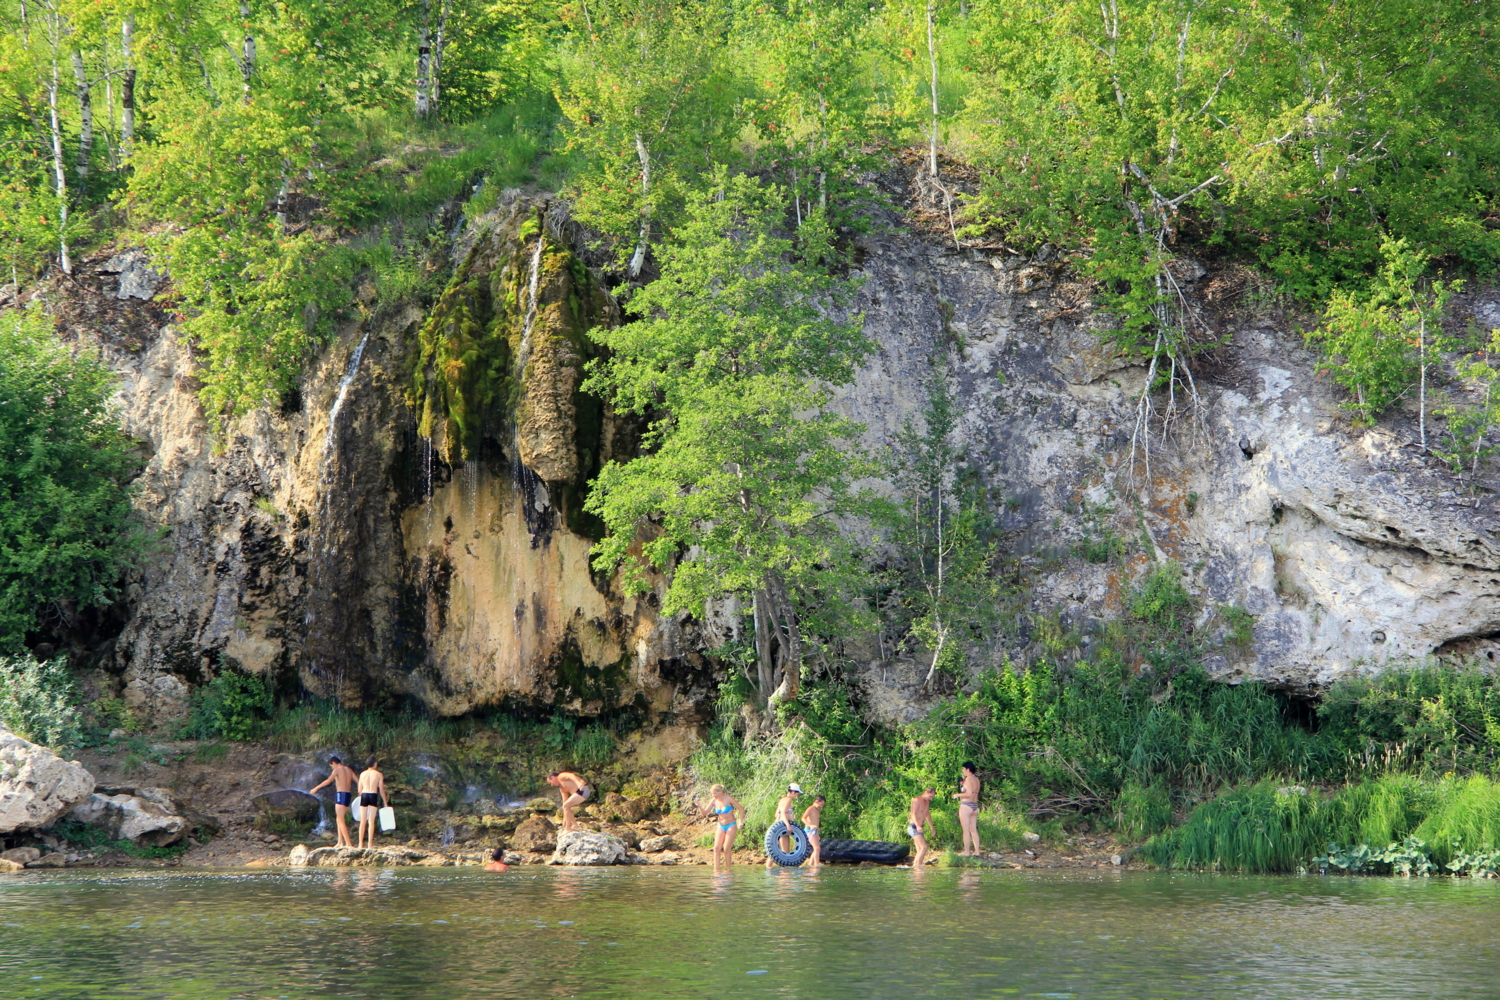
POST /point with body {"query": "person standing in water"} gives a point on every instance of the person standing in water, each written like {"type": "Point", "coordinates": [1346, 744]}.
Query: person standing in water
{"type": "Point", "coordinates": [371, 791]}
{"type": "Point", "coordinates": [784, 815]}
{"type": "Point", "coordinates": [812, 818]}
{"type": "Point", "coordinates": [968, 810]}
{"type": "Point", "coordinates": [575, 791]}
{"type": "Point", "coordinates": [919, 819]}
{"type": "Point", "coordinates": [497, 861]}
{"type": "Point", "coordinates": [343, 779]}
{"type": "Point", "coordinates": [728, 815]}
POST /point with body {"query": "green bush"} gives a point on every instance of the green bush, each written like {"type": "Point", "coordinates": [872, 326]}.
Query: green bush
{"type": "Point", "coordinates": [37, 701]}
{"type": "Point", "coordinates": [233, 706]}
{"type": "Point", "coordinates": [65, 528]}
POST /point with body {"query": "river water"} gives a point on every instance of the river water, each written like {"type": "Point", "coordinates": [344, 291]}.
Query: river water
{"type": "Point", "coordinates": [657, 933]}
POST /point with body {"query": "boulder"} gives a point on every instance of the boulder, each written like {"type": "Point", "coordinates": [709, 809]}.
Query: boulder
{"type": "Point", "coordinates": [357, 857]}
{"type": "Point", "coordinates": [298, 856]}
{"type": "Point", "coordinates": [542, 804]}
{"type": "Point", "coordinates": [21, 855]}
{"type": "Point", "coordinates": [627, 810]}
{"type": "Point", "coordinates": [11, 866]}
{"type": "Point", "coordinates": [536, 835]}
{"type": "Point", "coordinates": [37, 786]}
{"type": "Point", "coordinates": [655, 845]}
{"type": "Point", "coordinates": [54, 860]}
{"type": "Point", "coordinates": [580, 847]}
{"type": "Point", "coordinates": [625, 833]}
{"type": "Point", "coordinates": [287, 807]}
{"type": "Point", "coordinates": [138, 279]}
{"type": "Point", "coordinates": [151, 816]}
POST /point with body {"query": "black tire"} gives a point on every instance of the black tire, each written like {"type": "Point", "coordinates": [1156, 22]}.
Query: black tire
{"type": "Point", "coordinates": [880, 852]}
{"type": "Point", "coordinates": [801, 849]}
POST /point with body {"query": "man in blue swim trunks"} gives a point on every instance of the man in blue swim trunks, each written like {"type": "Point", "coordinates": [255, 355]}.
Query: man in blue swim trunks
{"type": "Point", "coordinates": [343, 784]}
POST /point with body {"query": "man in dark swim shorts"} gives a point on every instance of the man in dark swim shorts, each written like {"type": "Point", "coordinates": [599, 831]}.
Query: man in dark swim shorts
{"type": "Point", "coordinates": [343, 779]}
{"type": "Point", "coordinates": [371, 800]}
{"type": "Point", "coordinates": [575, 791]}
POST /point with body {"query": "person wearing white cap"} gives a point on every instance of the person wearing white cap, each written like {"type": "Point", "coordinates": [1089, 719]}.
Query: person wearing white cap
{"type": "Point", "coordinates": [784, 814]}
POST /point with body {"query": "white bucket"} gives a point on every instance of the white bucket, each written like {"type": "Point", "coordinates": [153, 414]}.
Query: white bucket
{"type": "Point", "coordinates": [387, 819]}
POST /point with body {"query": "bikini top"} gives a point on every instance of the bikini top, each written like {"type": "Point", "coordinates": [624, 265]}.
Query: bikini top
{"type": "Point", "coordinates": [727, 809]}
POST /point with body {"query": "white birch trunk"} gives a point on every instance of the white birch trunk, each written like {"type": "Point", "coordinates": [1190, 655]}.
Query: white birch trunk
{"type": "Point", "coordinates": [127, 87]}
{"type": "Point", "coordinates": [85, 93]}
{"type": "Point", "coordinates": [247, 51]}
{"type": "Point", "coordinates": [59, 169]}
{"type": "Point", "coordinates": [424, 59]}
{"type": "Point", "coordinates": [932, 160]}
{"type": "Point", "coordinates": [638, 259]}
{"type": "Point", "coordinates": [438, 44]}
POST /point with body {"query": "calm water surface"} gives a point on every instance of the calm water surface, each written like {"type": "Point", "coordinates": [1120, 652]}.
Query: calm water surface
{"type": "Point", "coordinates": [663, 933]}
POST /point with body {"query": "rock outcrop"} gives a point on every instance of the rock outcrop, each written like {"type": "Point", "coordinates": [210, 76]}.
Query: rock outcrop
{"type": "Point", "coordinates": [143, 815]}
{"type": "Point", "coordinates": [584, 848]}
{"type": "Point", "coordinates": [536, 835]}
{"type": "Point", "coordinates": [430, 542]}
{"type": "Point", "coordinates": [287, 806]}
{"type": "Point", "coordinates": [37, 787]}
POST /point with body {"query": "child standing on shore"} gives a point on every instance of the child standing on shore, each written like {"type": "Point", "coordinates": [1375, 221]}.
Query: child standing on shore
{"type": "Point", "coordinates": [812, 818]}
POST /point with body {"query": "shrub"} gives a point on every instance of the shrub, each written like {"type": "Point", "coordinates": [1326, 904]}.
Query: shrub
{"type": "Point", "coordinates": [37, 701]}
{"type": "Point", "coordinates": [233, 706]}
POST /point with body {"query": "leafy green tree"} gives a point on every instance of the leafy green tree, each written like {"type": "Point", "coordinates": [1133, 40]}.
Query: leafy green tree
{"type": "Point", "coordinates": [650, 102]}
{"type": "Point", "coordinates": [1465, 441]}
{"type": "Point", "coordinates": [65, 527]}
{"type": "Point", "coordinates": [746, 474]}
{"type": "Point", "coordinates": [949, 597]}
{"type": "Point", "coordinates": [38, 701]}
{"type": "Point", "coordinates": [1380, 345]}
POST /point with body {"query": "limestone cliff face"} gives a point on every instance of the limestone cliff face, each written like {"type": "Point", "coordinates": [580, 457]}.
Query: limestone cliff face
{"type": "Point", "coordinates": [391, 544]}
{"type": "Point", "coordinates": [430, 542]}
{"type": "Point", "coordinates": [1349, 546]}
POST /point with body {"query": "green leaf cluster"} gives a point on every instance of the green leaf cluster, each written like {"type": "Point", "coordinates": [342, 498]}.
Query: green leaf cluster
{"type": "Point", "coordinates": [38, 701]}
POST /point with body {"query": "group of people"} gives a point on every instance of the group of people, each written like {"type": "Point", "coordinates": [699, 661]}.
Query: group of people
{"type": "Point", "coordinates": [729, 815]}
{"type": "Point", "coordinates": [370, 784]}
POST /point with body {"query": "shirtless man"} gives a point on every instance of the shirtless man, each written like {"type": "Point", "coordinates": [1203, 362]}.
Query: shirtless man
{"type": "Point", "coordinates": [343, 779]}
{"type": "Point", "coordinates": [968, 811]}
{"type": "Point", "coordinates": [497, 862]}
{"type": "Point", "coordinates": [575, 791]}
{"type": "Point", "coordinates": [784, 815]}
{"type": "Point", "coordinates": [371, 790]}
{"type": "Point", "coordinates": [919, 819]}
{"type": "Point", "coordinates": [812, 817]}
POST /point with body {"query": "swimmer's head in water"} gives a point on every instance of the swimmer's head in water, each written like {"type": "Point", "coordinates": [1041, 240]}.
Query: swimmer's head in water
{"type": "Point", "coordinates": [498, 854]}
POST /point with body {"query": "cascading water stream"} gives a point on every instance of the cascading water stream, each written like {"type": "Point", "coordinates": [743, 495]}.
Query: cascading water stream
{"type": "Point", "coordinates": [533, 287]}
{"type": "Point", "coordinates": [343, 394]}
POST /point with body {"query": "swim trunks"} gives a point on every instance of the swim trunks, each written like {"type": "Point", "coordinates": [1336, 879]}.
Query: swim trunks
{"type": "Point", "coordinates": [913, 830]}
{"type": "Point", "coordinates": [811, 831]}
{"type": "Point", "coordinates": [343, 798]}
{"type": "Point", "coordinates": [582, 793]}
{"type": "Point", "coordinates": [368, 800]}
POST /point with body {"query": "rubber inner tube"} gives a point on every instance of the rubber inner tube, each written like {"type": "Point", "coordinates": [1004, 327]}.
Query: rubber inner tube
{"type": "Point", "coordinates": [801, 846]}
{"type": "Point", "coordinates": [881, 852]}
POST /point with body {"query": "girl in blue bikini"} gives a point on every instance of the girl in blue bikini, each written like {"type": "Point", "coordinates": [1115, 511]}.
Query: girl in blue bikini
{"type": "Point", "coordinates": [729, 815]}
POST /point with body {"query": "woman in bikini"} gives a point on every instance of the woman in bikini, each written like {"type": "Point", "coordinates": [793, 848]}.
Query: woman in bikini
{"type": "Point", "coordinates": [968, 810]}
{"type": "Point", "coordinates": [729, 814]}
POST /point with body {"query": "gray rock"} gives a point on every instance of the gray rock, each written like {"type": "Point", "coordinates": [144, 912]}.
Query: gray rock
{"type": "Point", "coordinates": [37, 786]}
{"type": "Point", "coordinates": [288, 806]}
{"type": "Point", "coordinates": [298, 856]}
{"type": "Point", "coordinates": [148, 817]}
{"type": "Point", "coordinates": [357, 857]}
{"type": "Point", "coordinates": [138, 279]}
{"type": "Point", "coordinates": [53, 860]}
{"type": "Point", "coordinates": [655, 845]}
{"type": "Point", "coordinates": [21, 855]}
{"type": "Point", "coordinates": [581, 847]}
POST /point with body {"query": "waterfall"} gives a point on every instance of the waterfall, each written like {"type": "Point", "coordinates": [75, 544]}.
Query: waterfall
{"type": "Point", "coordinates": [338, 401]}
{"type": "Point", "coordinates": [532, 286]}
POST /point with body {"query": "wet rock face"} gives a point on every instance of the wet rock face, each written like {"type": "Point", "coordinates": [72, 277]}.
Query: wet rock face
{"type": "Point", "coordinates": [409, 548]}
